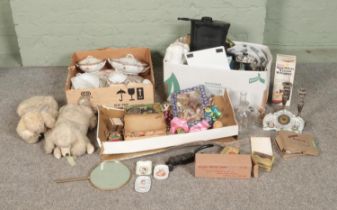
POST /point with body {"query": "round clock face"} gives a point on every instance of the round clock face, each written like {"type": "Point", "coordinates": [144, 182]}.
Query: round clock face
{"type": "Point", "coordinates": [283, 119]}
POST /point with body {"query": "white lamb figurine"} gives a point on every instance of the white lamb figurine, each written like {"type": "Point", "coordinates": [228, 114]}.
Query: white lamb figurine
{"type": "Point", "coordinates": [69, 136]}
{"type": "Point", "coordinates": [37, 114]}
{"type": "Point", "coordinates": [175, 52]}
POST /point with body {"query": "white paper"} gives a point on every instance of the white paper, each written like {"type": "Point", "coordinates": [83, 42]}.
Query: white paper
{"type": "Point", "coordinates": [261, 145]}
{"type": "Point", "coordinates": [212, 57]}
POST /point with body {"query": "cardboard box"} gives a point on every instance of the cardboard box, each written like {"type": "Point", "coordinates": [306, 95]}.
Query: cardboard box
{"type": "Point", "coordinates": [118, 95]}
{"type": "Point", "coordinates": [216, 80]}
{"type": "Point", "coordinates": [135, 128]}
{"type": "Point", "coordinates": [151, 145]}
{"type": "Point", "coordinates": [293, 144]}
{"type": "Point", "coordinates": [223, 166]}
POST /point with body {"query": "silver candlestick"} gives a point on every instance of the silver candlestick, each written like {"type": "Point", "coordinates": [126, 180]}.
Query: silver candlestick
{"type": "Point", "coordinates": [301, 94]}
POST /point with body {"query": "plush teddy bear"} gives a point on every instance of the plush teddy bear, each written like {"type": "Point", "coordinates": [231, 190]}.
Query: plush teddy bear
{"type": "Point", "coordinates": [36, 115]}
{"type": "Point", "coordinates": [69, 136]}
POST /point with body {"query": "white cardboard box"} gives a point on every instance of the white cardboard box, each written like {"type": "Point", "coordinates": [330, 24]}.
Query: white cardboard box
{"type": "Point", "coordinates": [216, 80]}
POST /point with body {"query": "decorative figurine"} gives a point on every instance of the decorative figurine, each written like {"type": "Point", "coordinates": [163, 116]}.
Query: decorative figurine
{"type": "Point", "coordinates": [178, 125]}
{"type": "Point", "coordinates": [212, 114]}
{"type": "Point", "coordinates": [175, 52]}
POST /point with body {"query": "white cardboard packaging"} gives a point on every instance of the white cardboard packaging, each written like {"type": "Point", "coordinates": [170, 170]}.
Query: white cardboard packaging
{"type": "Point", "coordinates": [216, 80]}
{"type": "Point", "coordinates": [284, 72]}
{"type": "Point", "coordinates": [261, 145]}
{"type": "Point", "coordinates": [129, 149]}
{"type": "Point", "coordinates": [212, 57]}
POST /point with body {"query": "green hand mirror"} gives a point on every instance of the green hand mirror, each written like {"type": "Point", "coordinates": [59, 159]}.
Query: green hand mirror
{"type": "Point", "coordinates": [108, 175]}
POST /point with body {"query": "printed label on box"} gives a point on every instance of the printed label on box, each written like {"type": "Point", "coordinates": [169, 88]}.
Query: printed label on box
{"type": "Point", "coordinates": [214, 88]}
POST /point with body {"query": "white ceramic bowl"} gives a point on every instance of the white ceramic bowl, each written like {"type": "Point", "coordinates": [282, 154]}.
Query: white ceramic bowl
{"type": "Point", "coordinates": [128, 65]}
{"type": "Point", "coordinates": [117, 77]}
{"type": "Point", "coordinates": [85, 81]}
{"type": "Point", "coordinates": [146, 82]}
{"type": "Point", "coordinates": [91, 64]}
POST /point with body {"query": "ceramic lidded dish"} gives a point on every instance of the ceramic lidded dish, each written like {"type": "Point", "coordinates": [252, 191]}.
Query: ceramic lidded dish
{"type": "Point", "coordinates": [128, 65]}
{"type": "Point", "coordinates": [91, 64]}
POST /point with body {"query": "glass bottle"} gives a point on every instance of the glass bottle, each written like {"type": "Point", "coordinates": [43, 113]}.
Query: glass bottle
{"type": "Point", "coordinates": [243, 112]}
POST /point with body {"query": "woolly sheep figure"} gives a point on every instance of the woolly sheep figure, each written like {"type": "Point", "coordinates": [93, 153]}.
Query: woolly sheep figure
{"type": "Point", "coordinates": [69, 136]}
{"type": "Point", "coordinates": [175, 52]}
{"type": "Point", "coordinates": [37, 114]}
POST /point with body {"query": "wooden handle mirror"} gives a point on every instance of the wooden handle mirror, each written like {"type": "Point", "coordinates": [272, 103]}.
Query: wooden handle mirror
{"type": "Point", "coordinates": [107, 175]}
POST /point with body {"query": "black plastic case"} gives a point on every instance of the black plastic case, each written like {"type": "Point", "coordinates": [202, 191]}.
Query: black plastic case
{"type": "Point", "coordinates": [206, 33]}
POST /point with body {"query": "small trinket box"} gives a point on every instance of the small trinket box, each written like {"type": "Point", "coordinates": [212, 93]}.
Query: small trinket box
{"type": "Point", "coordinates": [144, 167]}
{"type": "Point", "coordinates": [143, 184]}
{"type": "Point", "coordinates": [161, 172]}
